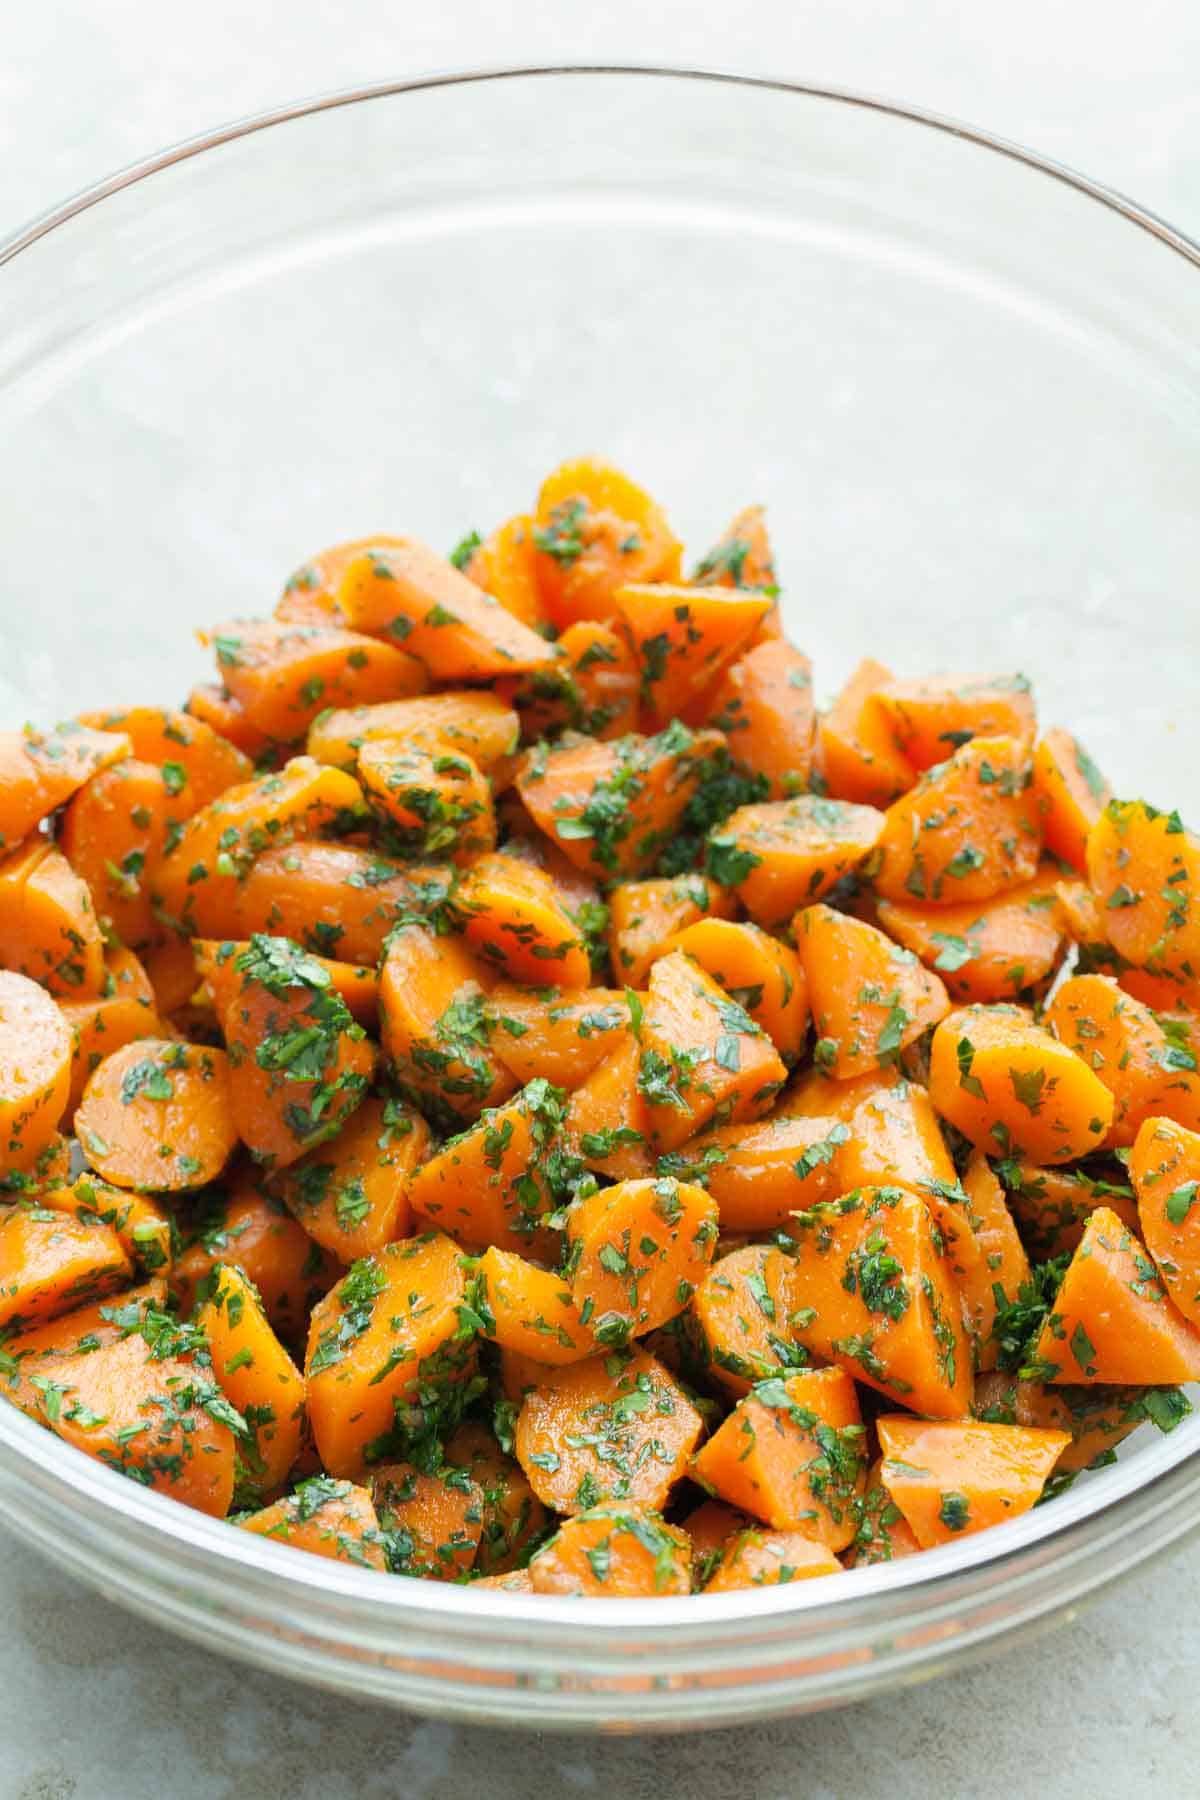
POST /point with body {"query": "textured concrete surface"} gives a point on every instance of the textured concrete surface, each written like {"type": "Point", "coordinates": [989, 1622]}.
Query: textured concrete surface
{"type": "Point", "coordinates": [94, 1704]}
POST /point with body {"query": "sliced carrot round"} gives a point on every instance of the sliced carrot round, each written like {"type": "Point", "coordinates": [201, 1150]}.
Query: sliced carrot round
{"type": "Point", "coordinates": [157, 1114]}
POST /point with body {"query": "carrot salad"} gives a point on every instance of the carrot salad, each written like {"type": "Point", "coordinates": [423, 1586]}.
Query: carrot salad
{"type": "Point", "coordinates": [500, 1088]}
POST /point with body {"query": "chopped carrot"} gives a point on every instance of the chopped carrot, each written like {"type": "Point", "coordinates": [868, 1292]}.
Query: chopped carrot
{"type": "Point", "coordinates": [932, 718]}
{"type": "Point", "coordinates": [874, 1293]}
{"type": "Point", "coordinates": [504, 565]}
{"type": "Point", "coordinates": [755, 969]}
{"type": "Point", "coordinates": [950, 1480]}
{"type": "Point", "coordinates": [1052, 1206]}
{"type": "Point", "coordinates": [882, 1533]}
{"type": "Point", "coordinates": [760, 1174]}
{"type": "Point", "coordinates": [614, 1427]}
{"type": "Point", "coordinates": [555, 1035]}
{"type": "Point", "coordinates": [596, 530]}
{"type": "Point", "coordinates": [1003, 1267]}
{"type": "Point", "coordinates": [741, 1309]}
{"type": "Point", "coordinates": [741, 556]}
{"type": "Point", "coordinates": [435, 1025]}
{"type": "Point", "coordinates": [869, 997]}
{"type": "Point", "coordinates": [252, 1367]}
{"type": "Point", "coordinates": [856, 750]}
{"type": "Point", "coordinates": [436, 798]}
{"type": "Point", "coordinates": [790, 1453]}
{"type": "Point", "coordinates": [1071, 795]}
{"type": "Point", "coordinates": [1112, 1320]}
{"type": "Point", "coordinates": [282, 673]}
{"type": "Point", "coordinates": [333, 898]}
{"type": "Point", "coordinates": [327, 1518]}
{"type": "Point", "coordinates": [515, 919]}
{"type": "Point", "coordinates": [765, 705]}
{"type": "Point", "coordinates": [684, 637]}
{"type": "Point", "coordinates": [475, 721]}
{"type": "Point", "coordinates": [125, 1010]}
{"type": "Point", "coordinates": [531, 1311]}
{"type": "Point", "coordinates": [614, 1552]}
{"type": "Point", "coordinates": [608, 1122]}
{"type": "Point", "coordinates": [197, 761]}
{"type": "Point", "coordinates": [1144, 869]}
{"type": "Point", "coordinates": [636, 1252]}
{"type": "Point", "coordinates": [970, 828]}
{"type": "Point", "coordinates": [488, 1184]}
{"type": "Point", "coordinates": [410, 596]}
{"type": "Point", "coordinates": [783, 854]}
{"type": "Point", "coordinates": [513, 1516]}
{"type": "Point", "coordinates": [1125, 1045]}
{"type": "Point", "coordinates": [159, 1114]}
{"type": "Point", "coordinates": [351, 1194]}
{"type": "Point", "coordinates": [1096, 1419]}
{"type": "Point", "coordinates": [240, 1224]}
{"type": "Point", "coordinates": [36, 1050]}
{"type": "Point", "coordinates": [594, 686]}
{"type": "Point", "coordinates": [1165, 1170]}
{"type": "Point", "coordinates": [50, 1263]}
{"type": "Point", "coordinates": [993, 950]}
{"type": "Point", "coordinates": [644, 916]}
{"type": "Point", "coordinates": [41, 770]}
{"type": "Point", "coordinates": [757, 1558]}
{"type": "Point", "coordinates": [212, 705]}
{"type": "Point", "coordinates": [48, 925]}
{"type": "Point", "coordinates": [1009, 1086]}
{"type": "Point", "coordinates": [435, 1520]}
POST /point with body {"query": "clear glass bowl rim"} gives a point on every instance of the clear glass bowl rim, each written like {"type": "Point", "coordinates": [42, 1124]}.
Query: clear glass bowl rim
{"type": "Point", "coordinates": [915, 1614]}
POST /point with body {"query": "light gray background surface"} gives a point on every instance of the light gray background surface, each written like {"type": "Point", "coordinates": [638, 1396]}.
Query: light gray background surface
{"type": "Point", "coordinates": [94, 1705]}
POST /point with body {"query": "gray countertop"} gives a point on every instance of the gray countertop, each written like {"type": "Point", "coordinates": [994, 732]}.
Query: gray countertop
{"type": "Point", "coordinates": [94, 1704]}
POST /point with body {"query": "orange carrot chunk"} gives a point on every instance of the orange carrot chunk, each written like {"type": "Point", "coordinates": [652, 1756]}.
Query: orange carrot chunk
{"type": "Point", "coordinates": [635, 1253]}
{"type": "Point", "coordinates": [741, 1309]}
{"type": "Point", "coordinates": [614, 1552]}
{"type": "Point", "coordinates": [477, 722]}
{"type": "Point", "coordinates": [48, 925]}
{"type": "Point", "coordinates": [532, 1312]}
{"type": "Point", "coordinates": [950, 1480]}
{"type": "Point", "coordinates": [755, 969]}
{"type": "Point", "coordinates": [410, 596]}
{"type": "Point", "coordinates": [683, 637]}
{"type": "Point", "coordinates": [127, 1009]}
{"type": "Point", "coordinates": [1165, 1170]}
{"type": "Point", "coordinates": [760, 1174]}
{"type": "Point", "coordinates": [764, 704]}
{"type": "Point", "coordinates": [282, 674]}
{"type": "Point", "coordinates": [488, 1184]}
{"type": "Point", "coordinates": [513, 1516]}
{"type": "Point", "coordinates": [782, 854]}
{"type": "Point", "coordinates": [515, 918]}
{"type": "Point", "coordinates": [644, 916]}
{"type": "Point", "coordinates": [970, 829]}
{"type": "Point", "coordinates": [790, 1453]}
{"type": "Point", "coordinates": [882, 1533]}
{"type": "Point", "coordinates": [1071, 794]}
{"type": "Point", "coordinates": [1112, 1320]}
{"type": "Point", "coordinates": [351, 1194]}
{"type": "Point", "coordinates": [596, 530]}
{"type": "Point", "coordinates": [435, 1025]}
{"type": "Point", "coordinates": [50, 1263]}
{"type": "Point", "coordinates": [856, 749]}
{"type": "Point", "coordinates": [327, 1518]}
{"type": "Point", "coordinates": [252, 1367]}
{"type": "Point", "coordinates": [933, 717]}
{"type": "Point", "coordinates": [435, 797]}
{"type": "Point", "coordinates": [1144, 869]}
{"type": "Point", "coordinates": [332, 898]}
{"type": "Point", "coordinates": [1009, 1086]}
{"type": "Point", "coordinates": [1124, 1043]}
{"type": "Point", "coordinates": [555, 1035]}
{"type": "Point", "coordinates": [614, 1427]}
{"type": "Point", "coordinates": [756, 1558]}
{"type": "Point", "coordinates": [159, 1114]}
{"type": "Point", "coordinates": [41, 770]}
{"type": "Point", "coordinates": [240, 1224]}
{"type": "Point", "coordinates": [435, 1519]}
{"type": "Point", "coordinates": [197, 762]}
{"type": "Point", "coordinates": [869, 997]}
{"type": "Point", "coordinates": [992, 950]}
{"type": "Point", "coordinates": [35, 1070]}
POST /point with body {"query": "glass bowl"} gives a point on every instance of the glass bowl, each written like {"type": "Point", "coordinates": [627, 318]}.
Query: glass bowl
{"type": "Point", "coordinates": [965, 382]}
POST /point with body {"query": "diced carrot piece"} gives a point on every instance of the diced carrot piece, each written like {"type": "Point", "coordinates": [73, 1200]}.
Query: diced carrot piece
{"type": "Point", "coordinates": [327, 1518]}
{"type": "Point", "coordinates": [636, 1252]}
{"type": "Point", "coordinates": [613, 807]}
{"type": "Point", "coordinates": [643, 916]}
{"type": "Point", "coordinates": [214, 706]}
{"type": "Point", "coordinates": [437, 1517]}
{"type": "Point", "coordinates": [158, 1114]}
{"type": "Point", "coordinates": [356, 985]}
{"type": "Point", "coordinates": [608, 1123]}
{"type": "Point", "coordinates": [553, 1035]}
{"type": "Point", "coordinates": [1071, 794]}
{"type": "Point", "coordinates": [703, 1057]}
{"type": "Point", "coordinates": [154, 1416]}
{"type": "Point", "coordinates": [437, 798]}
{"type": "Point", "coordinates": [764, 704]}
{"type": "Point", "coordinates": [1112, 1320]}
{"type": "Point", "coordinates": [477, 722]}
{"type": "Point", "coordinates": [882, 1534]}
{"type": "Point", "coordinates": [1181, 999]}
{"type": "Point", "coordinates": [950, 1480]}
{"type": "Point", "coordinates": [1080, 918]}
{"type": "Point", "coordinates": [755, 969]}
{"type": "Point", "coordinates": [73, 1335]}
{"type": "Point", "coordinates": [509, 1581]}
{"type": "Point", "coordinates": [594, 686]}
{"type": "Point", "coordinates": [197, 762]}
{"type": "Point", "coordinates": [409, 595]}
{"type": "Point", "coordinates": [243, 1225]}
{"type": "Point", "coordinates": [595, 531]}
{"type": "Point", "coordinates": [488, 1184]}
{"type": "Point", "coordinates": [41, 770]}
{"type": "Point", "coordinates": [301, 1064]}
{"type": "Point", "coordinates": [741, 1311]}
{"type": "Point", "coordinates": [874, 1293]}
{"type": "Point", "coordinates": [741, 556]}
{"type": "Point", "coordinates": [1096, 1419]}
{"type": "Point", "coordinates": [684, 637]}
{"type": "Point", "coordinates": [144, 1230]}
{"type": "Point", "coordinates": [992, 950]}
{"type": "Point", "coordinates": [504, 565]}
{"type": "Point", "coordinates": [856, 751]}
{"type": "Point", "coordinates": [791, 1454]}
{"type": "Point", "coordinates": [48, 926]}
{"type": "Point", "coordinates": [1003, 1267]}
{"type": "Point", "coordinates": [114, 834]}
{"type": "Point", "coordinates": [197, 882]}
{"type": "Point", "coordinates": [757, 1558]}
{"type": "Point", "coordinates": [435, 1024]}
{"type": "Point", "coordinates": [1165, 1170]}
{"type": "Point", "coordinates": [50, 1263]}
{"type": "Point", "coordinates": [50, 1168]}
{"type": "Point", "coordinates": [513, 1516]}
{"type": "Point", "coordinates": [933, 717]}
{"type": "Point", "coordinates": [1009, 1086]}
{"type": "Point", "coordinates": [762, 1173]}
{"type": "Point", "coordinates": [615, 1427]}
{"type": "Point", "coordinates": [970, 829]}
{"type": "Point", "coordinates": [35, 1070]}
{"type": "Point", "coordinates": [310, 592]}
{"type": "Point", "coordinates": [515, 919]}
{"type": "Point", "coordinates": [1052, 1206]}
{"type": "Point", "coordinates": [783, 854]}
{"type": "Point", "coordinates": [351, 1194]}
{"type": "Point", "coordinates": [893, 1137]}
{"type": "Point", "coordinates": [614, 1552]}
{"type": "Point", "coordinates": [171, 971]}
{"type": "Point", "coordinates": [252, 1367]}
{"type": "Point", "coordinates": [333, 898]}
{"type": "Point", "coordinates": [1144, 869]}
{"type": "Point", "coordinates": [710, 1528]}
{"type": "Point", "coordinates": [531, 1311]}
{"type": "Point", "coordinates": [385, 1342]}
{"type": "Point", "coordinates": [1124, 1044]}
{"type": "Point", "coordinates": [869, 997]}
